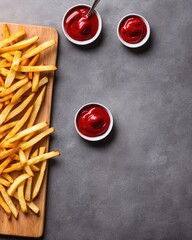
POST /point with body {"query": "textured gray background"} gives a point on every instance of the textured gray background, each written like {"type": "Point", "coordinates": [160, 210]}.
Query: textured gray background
{"type": "Point", "coordinates": [135, 185]}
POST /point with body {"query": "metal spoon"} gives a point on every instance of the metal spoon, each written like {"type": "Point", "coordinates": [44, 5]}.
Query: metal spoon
{"type": "Point", "coordinates": [92, 7]}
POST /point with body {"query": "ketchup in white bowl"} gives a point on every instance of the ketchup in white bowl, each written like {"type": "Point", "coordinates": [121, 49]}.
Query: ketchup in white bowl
{"type": "Point", "coordinates": [133, 30]}
{"type": "Point", "coordinates": [79, 28]}
{"type": "Point", "coordinates": [93, 121]}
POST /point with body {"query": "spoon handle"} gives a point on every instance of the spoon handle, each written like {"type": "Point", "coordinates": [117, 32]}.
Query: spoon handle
{"type": "Point", "coordinates": [92, 7]}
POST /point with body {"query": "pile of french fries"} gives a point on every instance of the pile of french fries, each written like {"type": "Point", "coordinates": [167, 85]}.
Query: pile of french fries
{"type": "Point", "coordinates": [23, 157]}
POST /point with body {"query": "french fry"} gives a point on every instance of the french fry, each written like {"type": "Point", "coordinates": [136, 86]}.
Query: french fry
{"type": "Point", "coordinates": [4, 206]}
{"type": "Point", "coordinates": [36, 108]}
{"type": "Point", "coordinates": [20, 45]}
{"type": "Point", "coordinates": [5, 72]}
{"type": "Point", "coordinates": [20, 92]}
{"type": "Point", "coordinates": [33, 207]}
{"type": "Point", "coordinates": [27, 131]}
{"type": "Point", "coordinates": [5, 112]}
{"type": "Point", "coordinates": [21, 198]}
{"type": "Point", "coordinates": [43, 157]}
{"type": "Point", "coordinates": [19, 124]}
{"type": "Point", "coordinates": [38, 49]}
{"type": "Point", "coordinates": [14, 167]}
{"type": "Point", "coordinates": [35, 81]}
{"type": "Point", "coordinates": [23, 161]}
{"type": "Point", "coordinates": [8, 97]}
{"type": "Point", "coordinates": [7, 153]}
{"type": "Point", "coordinates": [12, 37]}
{"type": "Point", "coordinates": [7, 56]}
{"type": "Point", "coordinates": [4, 182]}
{"type": "Point", "coordinates": [16, 183]}
{"type": "Point", "coordinates": [28, 189]}
{"type": "Point", "coordinates": [8, 177]}
{"type": "Point", "coordinates": [20, 108]}
{"type": "Point", "coordinates": [37, 68]}
{"type": "Point", "coordinates": [27, 60]}
{"type": "Point", "coordinates": [36, 139]}
{"type": "Point", "coordinates": [5, 29]}
{"type": "Point", "coordinates": [34, 168]}
{"type": "Point", "coordinates": [39, 181]}
{"type": "Point", "coordinates": [8, 201]}
{"type": "Point", "coordinates": [14, 87]}
{"type": "Point", "coordinates": [12, 73]}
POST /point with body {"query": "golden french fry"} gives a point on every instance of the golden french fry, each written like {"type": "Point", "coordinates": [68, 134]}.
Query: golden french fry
{"type": "Point", "coordinates": [20, 108]}
{"type": "Point", "coordinates": [36, 108]}
{"type": "Point", "coordinates": [14, 167]}
{"type": "Point", "coordinates": [36, 139]}
{"type": "Point", "coordinates": [21, 198]}
{"type": "Point", "coordinates": [33, 207]}
{"type": "Point", "coordinates": [12, 37]}
{"type": "Point", "coordinates": [4, 99]}
{"type": "Point", "coordinates": [8, 57]}
{"type": "Point", "coordinates": [8, 201]}
{"type": "Point", "coordinates": [27, 131]}
{"type": "Point", "coordinates": [14, 87]}
{"type": "Point", "coordinates": [20, 92]}
{"type": "Point", "coordinates": [37, 68]}
{"type": "Point", "coordinates": [5, 163]}
{"type": "Point", "coordinates": [28, 189]}
{"type": "Point", "coordinates": [5, 72]}
{"type": "Point", "coordinates": [27, 60]}
{"type": "Point", "coordinates": [7, 153]}
{"type": "Point", "coordinates": [3, 134]}
{"type": "Point", "coordinates": [5, 112]}
{"type": "Point", "coordinates": [43, 157]}
{"type": "Point", "coordinates": [4, 182]}
{"type": "Point", "coordinates": [12, 73]}
{"type": "Point", "coordinates": [22, 157]}
{"type": "Point", "coordinates": [7, 126]}
{"type": "Point", "coordinates": [20, 45]}
{"type": "Point", "coordinates": [16, 183]}
{"type": "Point", "coordinates": [5, 29]}
{"type": "Point", "coordinates": [38, 49]}
{"type": "Point", "coordinates": [19, 124]}
{"type": "Point", "coordinates": [35, 168]}
{"type": "Point", "coordinates": [39, 181]}
{"type": "Point", "coordinates": [35, 81]}
{"type": "Point", "coordinates": [7, 176]}
{"type": "Point", "coordinates": [23, 161]}
{"type": "Point", "coordinates": [4, 206]}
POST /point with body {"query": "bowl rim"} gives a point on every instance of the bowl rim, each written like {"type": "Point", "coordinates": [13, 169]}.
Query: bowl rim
{"type": "Point", "coordinates": [98, 138]}
{"type": "Point", "coordinates": [86, 41]}
{"type": "Point", "coordinates": [145, 39]}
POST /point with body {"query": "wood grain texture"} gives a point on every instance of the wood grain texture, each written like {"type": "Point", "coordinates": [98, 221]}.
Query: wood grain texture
{"type": "Point", "coordinates": [30, 225]}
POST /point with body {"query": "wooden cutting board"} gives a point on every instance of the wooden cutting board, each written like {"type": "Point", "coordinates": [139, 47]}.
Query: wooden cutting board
{"type": "Point", "coordinates": [31, 225]}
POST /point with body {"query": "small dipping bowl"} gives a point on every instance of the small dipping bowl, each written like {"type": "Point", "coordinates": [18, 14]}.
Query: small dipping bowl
{"type": "Point", "coordinates": [69, 30]}
{"type": "Point", "coordinates": [93, 121]}
{"type": "Point", "coordinates": [146, 31]}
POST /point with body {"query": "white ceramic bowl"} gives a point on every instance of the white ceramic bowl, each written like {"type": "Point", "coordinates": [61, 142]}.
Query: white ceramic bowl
{"type": "Point", "coordinates": [86, 41]}
{"type": "Point", "coordinates": [97, 138]}
{"type": "Point", "coordinates": [141, 43]}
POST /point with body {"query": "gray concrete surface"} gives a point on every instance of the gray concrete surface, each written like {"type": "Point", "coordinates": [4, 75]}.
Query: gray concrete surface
{"type": "Point", "coordinates": [135, 185]}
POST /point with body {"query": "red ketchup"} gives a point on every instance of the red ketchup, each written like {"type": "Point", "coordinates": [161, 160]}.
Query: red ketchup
{"type": "Point", "coordinates": [133, 29]}
{"type": "Point", "coordinates": [79, 26]}
{"type": "Point", "coordinates": [93, 120]}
